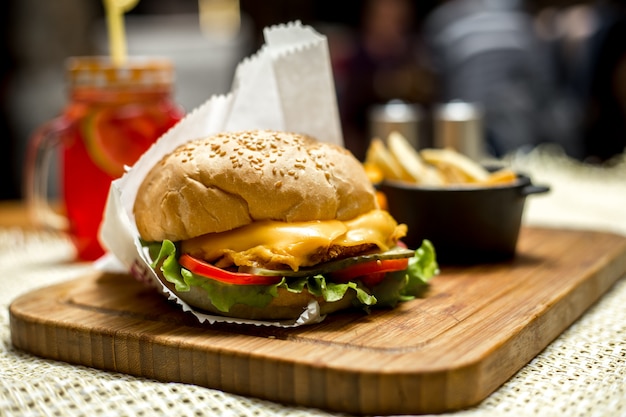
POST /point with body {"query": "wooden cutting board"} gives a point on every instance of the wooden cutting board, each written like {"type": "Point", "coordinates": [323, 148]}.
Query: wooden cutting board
{"type": "Point", "coordinates": [472, 330]}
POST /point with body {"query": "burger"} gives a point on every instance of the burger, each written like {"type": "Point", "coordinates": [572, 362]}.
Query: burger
{"type": "Point", "coordinates": [260, 224]}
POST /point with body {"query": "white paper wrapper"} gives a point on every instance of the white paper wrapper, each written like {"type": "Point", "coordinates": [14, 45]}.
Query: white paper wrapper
{"type": "Point", "coordinates": [287, 85]}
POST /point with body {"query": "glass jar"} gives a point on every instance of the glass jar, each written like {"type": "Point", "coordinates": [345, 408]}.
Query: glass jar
{"type": "Point", "coordinates": [113, 115]}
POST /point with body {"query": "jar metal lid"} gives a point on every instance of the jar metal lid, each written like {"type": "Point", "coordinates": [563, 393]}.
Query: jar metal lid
{"type": "Point", "coordinates": [137, 71]}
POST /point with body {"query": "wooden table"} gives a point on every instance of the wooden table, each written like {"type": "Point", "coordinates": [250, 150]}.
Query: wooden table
{"type": "Point", "coordinates": [13, 213]}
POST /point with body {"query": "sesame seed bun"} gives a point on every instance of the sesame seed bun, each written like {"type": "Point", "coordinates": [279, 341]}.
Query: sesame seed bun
{"type": "Point", "coordinates": [230, 180]}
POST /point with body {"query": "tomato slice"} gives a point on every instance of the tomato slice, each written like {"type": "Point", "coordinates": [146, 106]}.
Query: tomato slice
{"type": "Point", "coordinates": [200, 267]}
{"type": "Point", "coordinates": [372, 272]}
{"type": "Point", "coordinates": [372, 279]}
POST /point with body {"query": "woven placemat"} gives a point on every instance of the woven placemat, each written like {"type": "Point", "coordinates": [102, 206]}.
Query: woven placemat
{"type": "Point", "coordinates": [582, 195]}
{"type": "Point", "coordinates": [582, 373]}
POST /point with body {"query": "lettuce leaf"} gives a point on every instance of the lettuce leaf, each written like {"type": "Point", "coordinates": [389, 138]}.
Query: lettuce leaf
{"type": "Point", "coordinates": [398, 286]}
{"type": "Point", "coordinates": [407, 285]}
{"type": "Point", "coordinates": [422, 267]}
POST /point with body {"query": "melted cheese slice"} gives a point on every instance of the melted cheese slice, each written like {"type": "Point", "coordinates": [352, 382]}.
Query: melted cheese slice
{"type": "Point", "coordinates": [293, 244]}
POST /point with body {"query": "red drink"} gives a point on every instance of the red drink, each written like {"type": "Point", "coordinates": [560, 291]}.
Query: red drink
{"type": "Point", "coordinates": [114, 115]}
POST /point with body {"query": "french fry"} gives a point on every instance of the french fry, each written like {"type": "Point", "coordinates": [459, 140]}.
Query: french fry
{"type": "Point", "coordinates": [411, 161]}
{"type": "Point", "coordinates": [381, 199]}
{"type": "Point", "coordinates": [456, 165]}
{"type": "Point", "coordinates": [501, 177]}
{"type": "Point", "coordinates": [433, 167]}
{"type": "Point", "coordinates": [377, 154]}
{"type": "Point", "coordinates": [373, 171]}
{"type": "Point", "coordinates": [451, 174]}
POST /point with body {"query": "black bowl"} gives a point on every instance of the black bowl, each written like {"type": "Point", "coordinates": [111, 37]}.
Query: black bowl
{"type": "Point", "coordinates": [466, 224]}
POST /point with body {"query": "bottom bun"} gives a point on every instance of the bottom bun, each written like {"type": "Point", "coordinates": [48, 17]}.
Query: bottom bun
{"type": "Point", "coordinates": [287, 305]}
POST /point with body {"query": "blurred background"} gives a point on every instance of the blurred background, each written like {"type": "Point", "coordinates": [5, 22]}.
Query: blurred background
{"type": "Point", "coordinates": [542, 71]}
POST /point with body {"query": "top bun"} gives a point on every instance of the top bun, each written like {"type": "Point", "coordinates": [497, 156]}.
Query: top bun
{"type": "Point", "coordinates": [232, 179]}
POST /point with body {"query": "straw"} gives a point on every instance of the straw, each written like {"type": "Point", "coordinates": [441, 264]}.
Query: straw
{"type": "Point", "coordinates": [115, 10]}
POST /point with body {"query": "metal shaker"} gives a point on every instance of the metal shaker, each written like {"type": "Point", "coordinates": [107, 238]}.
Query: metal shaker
{"type": "Point", "coordinates": [396, 115]}
{"type": "Point", "coordinates": [459, 125]}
